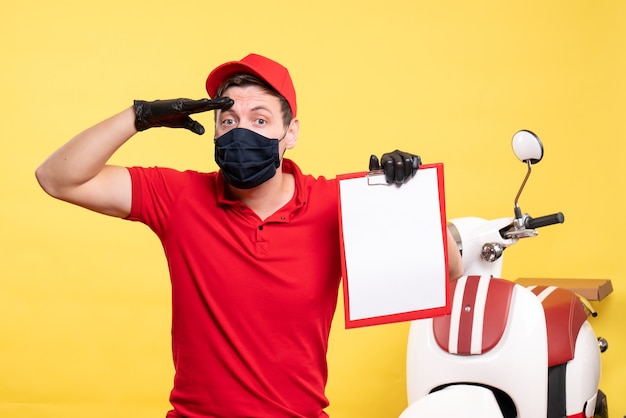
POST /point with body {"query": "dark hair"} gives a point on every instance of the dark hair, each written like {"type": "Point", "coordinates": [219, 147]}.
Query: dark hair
{"type": "Point", "coordinates": [245, 79]}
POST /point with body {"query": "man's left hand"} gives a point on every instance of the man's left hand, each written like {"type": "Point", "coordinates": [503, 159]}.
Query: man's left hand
{"type": "Point", "coordinates": [398, 166]}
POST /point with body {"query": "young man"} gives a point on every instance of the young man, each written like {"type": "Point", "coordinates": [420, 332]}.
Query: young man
{"type": "Point", "coordinates": [253, 249]}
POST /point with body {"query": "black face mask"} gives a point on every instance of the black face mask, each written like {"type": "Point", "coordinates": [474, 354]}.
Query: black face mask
{"type": "Point", "coordinates": [247, 159]}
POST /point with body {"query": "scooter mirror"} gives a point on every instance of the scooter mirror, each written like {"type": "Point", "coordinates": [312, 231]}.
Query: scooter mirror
{"type": "Point", "coordinates": [527, 147]}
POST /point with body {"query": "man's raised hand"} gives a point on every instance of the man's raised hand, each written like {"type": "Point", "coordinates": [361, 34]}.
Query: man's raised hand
{"type": "Point", "coordinates": [175, 113]}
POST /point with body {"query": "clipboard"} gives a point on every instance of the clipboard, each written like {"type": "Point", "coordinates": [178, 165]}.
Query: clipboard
{"type": "Point", "coordinates": [393, 247]}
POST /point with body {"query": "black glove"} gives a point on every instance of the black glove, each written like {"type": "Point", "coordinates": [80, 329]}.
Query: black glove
{"type": "Point", "coordinates": [175, 113]}
{"type": "Point", "coordinates": [399, 167]}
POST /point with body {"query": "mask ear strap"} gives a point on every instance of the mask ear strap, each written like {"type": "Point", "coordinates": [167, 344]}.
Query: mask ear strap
{"type": "Point", "coordinates": [286, 131]}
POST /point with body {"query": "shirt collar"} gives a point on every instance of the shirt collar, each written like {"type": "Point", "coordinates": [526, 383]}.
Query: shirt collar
{"type": "Point", "coordinates": [288, 166]}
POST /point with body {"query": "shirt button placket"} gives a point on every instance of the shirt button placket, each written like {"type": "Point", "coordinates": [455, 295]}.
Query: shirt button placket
{"type": "Point", "coordinates": [261, 245]}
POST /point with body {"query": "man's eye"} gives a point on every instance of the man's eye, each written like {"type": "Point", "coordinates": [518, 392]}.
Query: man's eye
{"type": "Point", "coordinates": [228, 122]}
{"type": "Point", "coordinates": [261, 121]}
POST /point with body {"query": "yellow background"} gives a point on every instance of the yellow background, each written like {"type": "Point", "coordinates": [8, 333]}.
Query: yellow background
{"type": "Point", "coordinates": [84, 299]}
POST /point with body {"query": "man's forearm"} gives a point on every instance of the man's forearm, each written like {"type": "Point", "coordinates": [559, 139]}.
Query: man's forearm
{"type": "Point", "coordinates": [84, 156]}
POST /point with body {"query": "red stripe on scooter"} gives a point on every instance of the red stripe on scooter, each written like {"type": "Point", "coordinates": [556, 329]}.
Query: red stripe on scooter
{"type": "Point", "coordinates": [496, 312]}
{"type": "Point", "coordinates": [466, 320]}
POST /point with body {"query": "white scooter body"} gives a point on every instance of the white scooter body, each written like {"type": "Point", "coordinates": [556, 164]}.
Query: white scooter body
{"type": "Point", "coordinates": [513, 366]}
{"type": "Point", "coordinates": [500, 336]}
{"type": "Point", "coordinates": [516, 365]}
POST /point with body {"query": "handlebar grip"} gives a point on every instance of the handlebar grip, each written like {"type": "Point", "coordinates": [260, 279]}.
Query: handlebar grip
{"type": "Point", "coordinates": [534, 223]}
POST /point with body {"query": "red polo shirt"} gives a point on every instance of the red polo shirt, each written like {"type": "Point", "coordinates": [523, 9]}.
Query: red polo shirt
{"type": "Point", "coordinates": [252, 300]}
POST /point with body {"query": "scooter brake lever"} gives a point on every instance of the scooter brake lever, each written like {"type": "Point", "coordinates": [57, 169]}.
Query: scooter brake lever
{"type": "Point", "coordinates": [520, 233]}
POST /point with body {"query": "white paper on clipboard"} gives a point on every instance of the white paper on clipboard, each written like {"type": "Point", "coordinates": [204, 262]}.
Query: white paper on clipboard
{"type": "Point", "coordinates": [394, 252]}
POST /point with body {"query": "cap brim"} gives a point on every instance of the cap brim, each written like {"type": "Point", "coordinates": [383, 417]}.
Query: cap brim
{"type": "Point", "coordinates": [221, 73]}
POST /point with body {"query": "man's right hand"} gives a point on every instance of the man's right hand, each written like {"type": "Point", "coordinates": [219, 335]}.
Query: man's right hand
{"type": "Point", "coordinates": [175, 113]}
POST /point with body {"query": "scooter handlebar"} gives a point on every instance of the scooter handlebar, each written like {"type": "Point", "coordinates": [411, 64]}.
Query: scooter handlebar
{"type": "Point", "coordinates": [534, 223]}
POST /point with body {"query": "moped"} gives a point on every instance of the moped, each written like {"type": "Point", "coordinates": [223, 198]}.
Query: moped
{"type": "Point", "coordinates": [505, 350]}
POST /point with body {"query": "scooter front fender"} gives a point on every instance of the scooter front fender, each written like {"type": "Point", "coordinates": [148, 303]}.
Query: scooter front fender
{"type": "Point", "coordinates": [468, 401]}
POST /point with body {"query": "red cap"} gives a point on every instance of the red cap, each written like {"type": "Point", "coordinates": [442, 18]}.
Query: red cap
{"type": "Point", "coordinates": [270, 71]}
